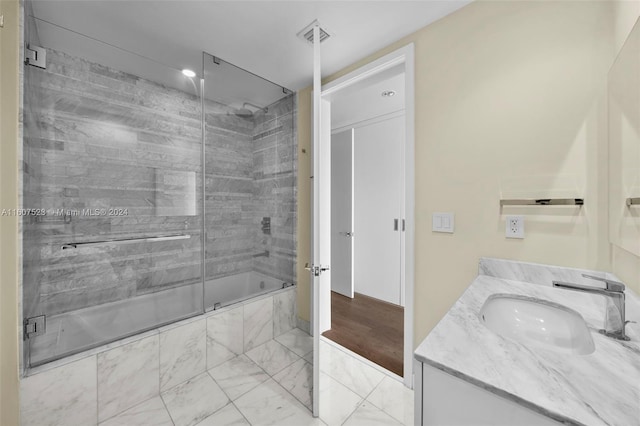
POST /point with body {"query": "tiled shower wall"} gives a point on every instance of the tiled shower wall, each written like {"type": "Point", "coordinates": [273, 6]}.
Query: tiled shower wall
{"type": "Point", "coordinates": [250, 170]}
{"type": "Point", "coordinates": [229, 193]}
{"type": "Point", "coordinates": [274, 182]}
{"type": "Point", "coordinates": [100, 138]}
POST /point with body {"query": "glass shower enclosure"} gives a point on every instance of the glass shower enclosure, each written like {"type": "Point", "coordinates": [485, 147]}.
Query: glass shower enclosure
{"type": "Point", "coordinates": [151, 196]}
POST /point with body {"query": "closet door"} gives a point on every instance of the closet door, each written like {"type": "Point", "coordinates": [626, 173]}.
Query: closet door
{"type": "Point", "coordinates": [342, 212]}
{"type": "Point", "coordinates": [378, 200]}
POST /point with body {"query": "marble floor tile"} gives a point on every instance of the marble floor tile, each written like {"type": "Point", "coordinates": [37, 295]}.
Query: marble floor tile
{"type": "Point", "coordinates": [148, 413]}
{"type": "Point", "coordinates": [224, 336]}
{"type": "Point", "coordinates": [194, 400]}
{"type": "Point", "coordinates": [298, 380]}
{"type": "Point", "coordinates": [227, 416]}
{"type": "Point", "coordinates": [392, 397]}
{"type": "Point", "coordinates": [182, 353]}
{"type": "Point", "coordinates": [297, 341]}
{"type": "Point", "coordinates": [66, 395]}
{"type": "Point", "coordinates": [284, 312]}
{"type": "Point", "coordinates": [270, 404]}
{"type": "Point", "coordinates": [272, 357]}
{"type": "Point", "coordinates": [258, 323]}
{"type": "Point", "coordinates": [351, 372]}
{"type": "Point", "coordinates": [127, 375]}
{"type": "Point", "coordinates": [337, 402]}
{"type": "Point", "coordinates": [238, 376]}
{"type": "Point", "coordinates": [368, 415]}
{"type": "Point", "coordinates": [309, 357]}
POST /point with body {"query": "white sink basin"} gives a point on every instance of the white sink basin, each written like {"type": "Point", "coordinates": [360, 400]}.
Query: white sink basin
{"type": "Point", "coordinates": [539, 323]}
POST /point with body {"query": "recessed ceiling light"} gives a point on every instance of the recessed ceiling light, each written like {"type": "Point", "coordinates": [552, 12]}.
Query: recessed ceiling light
{"type": "Point", "coordinates": [388, 93]}
{"type": "Point", "coordinates": [188, 73]}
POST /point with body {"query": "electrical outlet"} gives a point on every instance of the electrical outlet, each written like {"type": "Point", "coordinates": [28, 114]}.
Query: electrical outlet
{"type": "Point", "coordinates": [515, 227]}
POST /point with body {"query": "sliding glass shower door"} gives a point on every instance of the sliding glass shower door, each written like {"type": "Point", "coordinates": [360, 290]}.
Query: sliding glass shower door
{"type": "Point", "coordinates": [112, 240]}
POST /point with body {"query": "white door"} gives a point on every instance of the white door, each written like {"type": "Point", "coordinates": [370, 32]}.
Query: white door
{"type": "Point", "coordinates": [321, 223]}
{"type": "Point", "coordinates": [320, 220]}
{"type": "Point", "coordinates": [342, 213]}
{"type": "Point", "coordinates": [378, 188]}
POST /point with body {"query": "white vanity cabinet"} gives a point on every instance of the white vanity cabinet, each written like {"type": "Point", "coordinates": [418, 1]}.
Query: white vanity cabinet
{"type": "Point", "coordinates": [470, 373]}
{"type": "Point", "coordinates": [442, 399]}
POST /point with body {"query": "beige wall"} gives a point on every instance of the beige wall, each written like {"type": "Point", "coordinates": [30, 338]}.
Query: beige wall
{"type": "Point", "coordinates": [9, 39]}
{"type": "Point", "coordinates": [510, 102]}
{"type": "Point", "coordinates": [304, 203]}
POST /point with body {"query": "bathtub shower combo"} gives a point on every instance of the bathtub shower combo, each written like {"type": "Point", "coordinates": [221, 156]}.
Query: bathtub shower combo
{"type": "Point", "coordinates": [153, 195]}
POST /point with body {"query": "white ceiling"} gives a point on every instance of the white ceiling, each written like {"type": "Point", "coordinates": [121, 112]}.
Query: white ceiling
{"type": "Point", "coordinates": [259, 36]}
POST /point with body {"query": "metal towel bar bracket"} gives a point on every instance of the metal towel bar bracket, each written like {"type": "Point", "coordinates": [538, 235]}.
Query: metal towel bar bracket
{"type": "Point", "coordinates": [125, 241]}
{"type": "Point", "coordinates": [633, 201]}
{"type": "Point", "coordinates": [544, 202]}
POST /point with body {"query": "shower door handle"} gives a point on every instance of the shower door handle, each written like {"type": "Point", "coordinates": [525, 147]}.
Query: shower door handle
{"type": "Point", "coordinates": [126, 241]}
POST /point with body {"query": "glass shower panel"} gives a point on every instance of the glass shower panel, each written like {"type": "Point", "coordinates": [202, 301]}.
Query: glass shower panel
{"type": "Point", "coordinates": [249, 184]}
{"type": "Point", "coordinates": [113, 158]}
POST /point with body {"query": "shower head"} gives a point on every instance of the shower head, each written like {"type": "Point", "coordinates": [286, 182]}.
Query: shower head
{"type": "Point", "coordinates": [245, 112]}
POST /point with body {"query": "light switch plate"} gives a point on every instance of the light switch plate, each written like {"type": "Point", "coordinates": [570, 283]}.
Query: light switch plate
{"type": "Point", "coordinates": [442, 222]}
{"type": "Point", "coordinates": [514, 227]}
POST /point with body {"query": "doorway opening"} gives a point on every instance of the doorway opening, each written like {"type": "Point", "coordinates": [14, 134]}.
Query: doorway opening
{"type": "Point", "coordinates": [367, 119]}
{"type": "Point", "coordinates": [367, 140]}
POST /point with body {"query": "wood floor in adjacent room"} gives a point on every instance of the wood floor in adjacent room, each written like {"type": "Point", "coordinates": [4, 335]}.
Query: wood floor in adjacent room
{"type": "Point", "coordinates": [369, 327]}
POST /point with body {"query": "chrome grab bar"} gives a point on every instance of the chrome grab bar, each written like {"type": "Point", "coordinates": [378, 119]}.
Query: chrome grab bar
{"type": "Point", "coordinates": [125, 241]}
{"type": "Point", "coordinates": [544, 202]}
{"type": "Point", "coordinates": [633, 201]}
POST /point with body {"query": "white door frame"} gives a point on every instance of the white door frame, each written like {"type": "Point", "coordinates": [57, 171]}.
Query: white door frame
{"type": "Point", "coordinates": [404, 55]}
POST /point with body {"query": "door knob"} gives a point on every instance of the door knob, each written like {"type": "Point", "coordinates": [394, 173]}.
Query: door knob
{"type": "Point", "coordinates": [317, 270]}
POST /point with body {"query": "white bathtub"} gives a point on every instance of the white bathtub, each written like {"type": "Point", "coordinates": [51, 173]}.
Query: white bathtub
{"type": "Point", "coordinates": [226, 291]}
{"type": "Point", "coordinates": [77, 331]}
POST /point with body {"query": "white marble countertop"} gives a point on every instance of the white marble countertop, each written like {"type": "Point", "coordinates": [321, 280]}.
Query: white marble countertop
{"type": "Point", "coordinates": [602, 388]}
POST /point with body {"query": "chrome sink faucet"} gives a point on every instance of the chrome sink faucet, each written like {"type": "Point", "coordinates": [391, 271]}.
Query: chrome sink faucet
{"type": "Point", "coordinates": [614, 323]}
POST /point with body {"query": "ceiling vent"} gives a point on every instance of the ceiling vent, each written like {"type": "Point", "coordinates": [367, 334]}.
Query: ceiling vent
{"type": "Point", "coordinates": [307, 33]}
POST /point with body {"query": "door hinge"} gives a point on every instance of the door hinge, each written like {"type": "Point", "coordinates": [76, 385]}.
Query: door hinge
{"type": "Point", "coordinates": [34, 326]}
{"type": "Point", "coordinates": [35, 56]}
{"type": "Point", "coordinates": [316, 270]}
